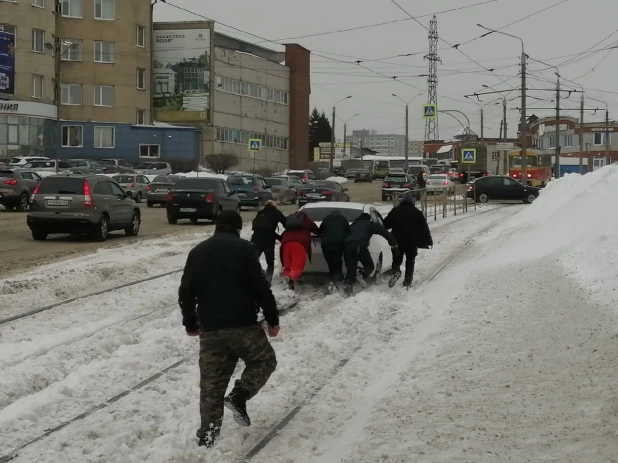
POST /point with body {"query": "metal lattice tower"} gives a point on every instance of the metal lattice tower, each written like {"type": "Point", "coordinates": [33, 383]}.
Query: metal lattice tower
{"type": "Point", "coordinates": [431, 125]}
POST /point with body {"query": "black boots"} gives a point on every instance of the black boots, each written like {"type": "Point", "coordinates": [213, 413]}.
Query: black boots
{"type": "Point", "coordinates": [236, 402]}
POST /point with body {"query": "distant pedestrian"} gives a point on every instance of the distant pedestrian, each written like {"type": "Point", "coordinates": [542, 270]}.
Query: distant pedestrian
{"type": "Point", "coordinates": [356, 249]}
{"type": "Point", "coordinates": [265, 234]}
{"type": "Point", "coordinates": [422, 183]}
{"type": "Point", "coordinates": [222, 286]}
{"type": "Point", "coordinates": [334, 230]}
{"type": "Point", "coordinates": [410, 229]}
{"type": "Point", "coordinates": [296, 245]}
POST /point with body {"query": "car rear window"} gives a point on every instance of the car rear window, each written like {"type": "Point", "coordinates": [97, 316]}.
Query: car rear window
{"type": "Point", "coordinates": [196, 184]}
{"type": "Point", "coordinates": [6, 174]}
{"type": "Point", "coordinates": [363, 171]}
{"type": "Point", "coordinates": [274, 181]}
{"type": "Point", "coordinates": [395, 178]}
{"type": "Point", "coordinates": [318, 214]}
{"type": "Point", "coordinates": [145, 165]}
{"type": "Point", "coordinates": [331, 185]}
{"type": "Point", "coordinates": [416, 169]}
{"type": "Point", "coordinates": [62, 185]}
{"type": "Point", "coordinates": [124, 178]}
{"type": "Point", "coordinates": [437, 177]}
{"type": "Point", "coordinates": [240, 180]}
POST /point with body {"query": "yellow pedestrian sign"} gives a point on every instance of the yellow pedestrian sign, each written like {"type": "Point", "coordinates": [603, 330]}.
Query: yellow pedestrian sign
{"type": "Point", "coordinates": [430, 111]}
{"type": "Point", "coordinates": [468, 155]}
{"type": "Point", "coordinates": [255, 144]}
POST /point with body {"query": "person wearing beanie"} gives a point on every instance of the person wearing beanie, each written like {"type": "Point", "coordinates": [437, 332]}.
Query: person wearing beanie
{"type": "Point", "coordinates": [410, 229]}
{"type": "Point", "coordinates": [221, 287]}
{"type": "Point", "coordinates": [265, 234]}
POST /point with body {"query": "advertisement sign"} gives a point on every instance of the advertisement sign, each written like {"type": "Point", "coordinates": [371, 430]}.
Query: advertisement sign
{"type": "Point", "coordinates": [181, 71]}
{"type": "Point", "coordinates": [7, 63]}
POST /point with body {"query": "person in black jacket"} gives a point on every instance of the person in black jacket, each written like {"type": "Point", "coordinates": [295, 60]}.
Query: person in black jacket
{"type": "Point", "coordinates": [422, 183]}
{"type": "Point", "coordinates": [357, 249]}
{"type": "Point", "coordinates": [334, 230]}
{"type": "Point", "coordinates": [221, 291]}
{"type": "Point", "coordinates": [410, 228]}
{"type": "Point", "coordinates": [265, 234]}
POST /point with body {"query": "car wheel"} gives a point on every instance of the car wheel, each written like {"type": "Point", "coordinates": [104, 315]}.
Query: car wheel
{"type": "Point", "coordinates": [102, 229]}
{"type": "Point", "coordinates": [239, 209]}
{"type": "Point", "coordinates": [260, 204]}
{"type": "Point", "coordinates": [39, 235]}
{"type": "Point", "coordinates": [24, 203]}
{"type": "Point", "coordinates": [193, 221]}
{"type": "Point", "coordinates": [377, 276]}
{"type": "Point", "coordinates": [483, 198]}
{"type": "Point", "coordinates": [530, 199]}
{"type": "Point", "coordinates": [172, 220]}
{"type": "Point", "coordinates": [294, 199]}
{"type": "Point", "coordinates": [149, 204]}
{"type": "Point", "coordinates": [133, 229]}
{"type": "Point", "coordinates": [138, 197]}
{"type": "Point", "coordinates": [218, 213]}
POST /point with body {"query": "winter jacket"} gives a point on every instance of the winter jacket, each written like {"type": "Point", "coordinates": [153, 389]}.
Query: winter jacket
{"type": "Point", "coordinates": [363, 228]}
{"type": "Point", "coordinates": [267, 234]}
{"type": "Point", "coordinates": [409, 226]}
{"type": "Point", "coordinates": [302, 236]}
{"type": "Point", "coordinates": [223, 285]}
{"type": "Point", "coordinates": [422, 183]}
{"type": "Point", "coordinates": [334, 229]}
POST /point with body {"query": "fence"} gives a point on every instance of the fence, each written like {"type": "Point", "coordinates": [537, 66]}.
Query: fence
{"type": "Point", "coordinates": [439, 202]}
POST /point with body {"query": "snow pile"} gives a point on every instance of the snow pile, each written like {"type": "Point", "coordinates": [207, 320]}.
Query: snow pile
{"type": "Point", "coordinates": [337, 179]}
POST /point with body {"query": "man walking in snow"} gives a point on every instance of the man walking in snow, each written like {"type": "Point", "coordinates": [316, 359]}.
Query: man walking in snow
{"type": "Point", "coordinates": [410, 229]}
{"type": "Point", "coordinates": [222, 288]}
{"type": "Point", "coordinates": [334, 230]}
{"type": "Point", "coordinates": [265, 234]}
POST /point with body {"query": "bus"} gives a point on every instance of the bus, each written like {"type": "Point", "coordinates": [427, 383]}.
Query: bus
{"type": "Point", "coordinates": [538, 166]}
{"type": "Point", "coordinates": [381, 165]}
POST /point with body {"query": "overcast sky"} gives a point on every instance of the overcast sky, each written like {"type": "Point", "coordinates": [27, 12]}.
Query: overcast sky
{"type": "Point", "coordinates": [555, 36]}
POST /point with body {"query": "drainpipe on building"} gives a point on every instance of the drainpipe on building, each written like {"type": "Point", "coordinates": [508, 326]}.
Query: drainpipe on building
{"type": "Point", "coordinates": [152, 61]}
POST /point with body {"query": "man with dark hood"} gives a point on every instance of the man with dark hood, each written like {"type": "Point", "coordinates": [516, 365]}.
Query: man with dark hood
{"type": "Point", "coordinates": [356, 250]}
{"type": "Point", "coordinates": [422, 183]}
{"type": "Point", "coordinates": [334, 230]}
{"type": "Point", "coordinates": [410, 229]}
{"type": "Point", "coordinates": [265, 234]}
{"type": "Point", "coordinates": [221, 291]}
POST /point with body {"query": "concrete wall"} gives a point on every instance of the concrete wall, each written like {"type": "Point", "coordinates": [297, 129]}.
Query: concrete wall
{"type": "Point", "coordinates": [246, 113]}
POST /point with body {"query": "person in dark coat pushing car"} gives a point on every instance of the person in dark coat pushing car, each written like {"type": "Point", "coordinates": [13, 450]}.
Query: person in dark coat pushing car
{"type": "Point", "coordinates": [334, 230]}
{"type": "Point", "coordinates": [410, 228]}
{"type": "Point", "coordinates": [265, 234]}
{"type": "Point", "coordinates": [221, 291]}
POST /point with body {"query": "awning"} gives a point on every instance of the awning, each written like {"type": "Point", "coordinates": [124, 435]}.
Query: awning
{"type": "Point", "coordinates": [445, 149]}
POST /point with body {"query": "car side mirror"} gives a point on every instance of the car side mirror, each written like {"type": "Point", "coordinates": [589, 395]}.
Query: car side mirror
{"type": "Point", "coordinates": [266, 187]}
{"type": "Point", "coordinates": [127, 194]}
{"type": "Point", "coordinates": [345, 189]}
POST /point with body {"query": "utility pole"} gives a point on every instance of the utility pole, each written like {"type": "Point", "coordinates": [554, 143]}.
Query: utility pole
{"type": "Point", "coordinates": [345, 135]}
{"type": "Point", "coordinates": [332, 142]}
{"type": "Point", "coordinates": [606, 133]}
{"type": "Point", "coordinates": [406, 163]}
{"type": "Point", "coordinates": [524, 121]}
{"type": "Point", "coordinates": [58, 88]}
{"type": "Point", "coordinates": [557, 161]}
{"type": "Point", "coordinates": [581, 135]}
{"type": "Point", "coordinates": [505, 161]}
{"type": "Point", "coordinates": [431, 125]}
{"type": "Point", "coordinates": [482, 125]}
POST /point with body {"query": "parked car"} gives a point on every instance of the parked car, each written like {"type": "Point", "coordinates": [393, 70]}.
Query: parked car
{"type": "Point", "coordinates": [350, 174]}
{"type": "Point", "coordinates": [417, 169]}
{"type": "Point", "coordinates": [21, 160]}
{"type": "Point", "coordinates": [437, 169]}
{"type": "Point", "coordinates": [156, 193]}
{"type": "Point", "coordinates": [4, 162]}
{"type": "Point", "coordinates": [88, 204]}
{"type": "Point", "coordinates": [200, 198]}
{"type": "Point", "coordinates": [399, 183]}
{"type": "Point", "coordinates": [119, 166]}
{"type": "Point", "coordinates": [440, 183]}
{"type": "Point", "coordinates": [500, 187]}
{"type": "Point", "coordinates": [321, 191]}
{"type": "Point", "coordinates": [293, 180]}
{"type": "Point", "coordinates": [252, 190]}
{"type": "Point", "coordinates": [363, 175]}
{"type": "Point", "coordinates": [16, 188]}
{"type": "Point", "coordinates": [378, 247]}
{"type": "Point", "coordinates": [85, 166]}
{"type": "Point", "coordinates": [305, 175]}
{"type": "Point", "coordinates": [46, 166]}
{"type": "Point", "coordinates": [136, 184]}
{"type": "Point", "coordinates": [282, 190]}
{"type": "Point", "coordinates": [153, 168]}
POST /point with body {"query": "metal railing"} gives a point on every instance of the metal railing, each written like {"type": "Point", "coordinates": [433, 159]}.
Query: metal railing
{"type": "Point", "coordinates": [439, 202]}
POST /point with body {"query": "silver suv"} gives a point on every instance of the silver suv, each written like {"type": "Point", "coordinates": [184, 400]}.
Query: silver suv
{"type": "Point", "coordinates": [83, 204]}
{"type": "Point", "coordinates": [16, 187]}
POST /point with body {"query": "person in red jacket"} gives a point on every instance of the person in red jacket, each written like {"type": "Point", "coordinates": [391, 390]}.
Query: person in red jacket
{"type": "Point", "coordinates": [296, 245]}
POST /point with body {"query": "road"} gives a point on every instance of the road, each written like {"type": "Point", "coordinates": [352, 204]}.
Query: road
{"type": "Point", "coordinates": [20, 252]}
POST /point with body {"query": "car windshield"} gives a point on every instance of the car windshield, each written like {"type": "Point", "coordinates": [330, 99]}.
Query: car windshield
{"type": "Point", "coordinates": [317, 214]}
{"type": "Point", "coordinates": [331, 185]}
{"type": "Point", "coordinates": [165, 179]}
{"type": "Point", "coordinates": [196, 184]}
{"type": "Point", "coordinates": [274, 181]}
{"type": "Point", "coordinates": [362, 171]}
{"type": "Point", "coordinates": [416, 169]}
{"type": "Point", "coordinates": [145, 165]}
{"type": "Point", "coordinates": [395, 178]}
{"type": "Point", "coordinates": [62, 186]}
{"type": "Point", "coordinates": [124, 178]}
{"type": "Point", "coordinates": [6, 174]}
{"type": "Point", "coordinates": [240, 180]}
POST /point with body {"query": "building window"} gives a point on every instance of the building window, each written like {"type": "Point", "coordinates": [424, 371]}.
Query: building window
{"type": "Point", "coordinates": [104, 9]}
{"type": "Point", "coordinates": [104, 52]}
{"type": "Point", "coordinates": [599, 138]}
{"type": "Point", "coordinates": [38, 39]}
{"type": "Point", "coordinates": [141, 79]}
{"type": "Point", "coordinates": [140, 117]}
{"type": "Point", "coordinates": [37, 86]}
{"type": "Point", "coordinates": [104, 137]}
{"type": "Point", "coordinates": [149, 151]}
{"type": "Point", "coordinates": [71, 94]}
{"type": "Point", "coordinates": [39, 3]}
{"type": "Point", "coordinates": [568, 141]}
{"type": "Point", "coordinates": [141, 36]}
{"type": "Point", "coordinates": [73, 8]}
{"type": "Point", "coordinates": [103, 95]}
{"type": "Point", "coordinates": [71, 50]}
{"type": "Point", "coordinates": [72, 136]}
{"type": "Point", "coordinates": [552, 142]}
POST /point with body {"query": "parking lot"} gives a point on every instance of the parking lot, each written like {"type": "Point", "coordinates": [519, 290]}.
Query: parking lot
{"type": "Point", "coordinates": [20, 252]}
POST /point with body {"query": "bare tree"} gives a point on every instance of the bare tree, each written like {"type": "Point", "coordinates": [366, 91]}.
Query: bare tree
{"type": "Point", "coordinates": [221, 162]}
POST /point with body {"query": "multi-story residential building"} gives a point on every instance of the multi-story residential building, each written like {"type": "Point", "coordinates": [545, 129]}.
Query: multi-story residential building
{"type": "Point", "coordinates": [386, 144]}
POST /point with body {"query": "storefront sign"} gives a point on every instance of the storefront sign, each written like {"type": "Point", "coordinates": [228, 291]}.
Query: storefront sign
{"type": "Point", "coordinates": [27, 109]}
{"type": "Point", "coordinates": [7, 63]}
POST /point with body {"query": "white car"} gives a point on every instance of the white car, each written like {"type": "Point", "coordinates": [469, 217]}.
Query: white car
{"type": "Point", "coordinates": [440, 183]}
{"type": "Point", "coordinates": [21, 160]}
{"type": "Point", "coordinates": [153, 168]}
{"type": "Point", "coordinates": [379, 248]}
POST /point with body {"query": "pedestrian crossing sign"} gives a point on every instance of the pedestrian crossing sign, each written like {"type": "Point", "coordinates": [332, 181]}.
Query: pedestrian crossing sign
{"type": "Point", "coordinates": [468, 155]}
{"type": "Point", "coordinates": [430, 111]}
{"type": "Point", "coordinates": [255, 144]}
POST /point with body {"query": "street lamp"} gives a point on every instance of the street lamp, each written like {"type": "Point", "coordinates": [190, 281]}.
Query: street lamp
{"type": "Point", "coordinates": [332, 137]}
{"type": "Point", "coordinates": [482, 106]}
{"type": "Point", "coordinates": [345, 129]}
{"type": "Point", "coordinates": [407, 148]}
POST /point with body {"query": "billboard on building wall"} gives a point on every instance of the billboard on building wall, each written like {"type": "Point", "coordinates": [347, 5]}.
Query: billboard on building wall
{"type": "Point", "coordinates": [182, 74]}
{"type": "Point", "coordinates": [7, 61]}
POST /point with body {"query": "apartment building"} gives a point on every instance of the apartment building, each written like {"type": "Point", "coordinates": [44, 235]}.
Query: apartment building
{"type": "Point", "coordinates": [385, 144]}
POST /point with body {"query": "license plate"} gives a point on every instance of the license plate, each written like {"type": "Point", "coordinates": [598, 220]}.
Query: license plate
{"type": "Point", "coordinates": [188, 209]}
{"type": "Point", "coordinates": [57, 202]}
{"type": "Point", "coordinates": [241, 194]}
{"type": "Point", "coordinates": [314, 195]}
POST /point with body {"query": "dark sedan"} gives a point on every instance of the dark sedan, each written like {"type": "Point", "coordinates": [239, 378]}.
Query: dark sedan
{"type": "Point", "coordinates": [315, 192]}
{"type": "Point", "coordinates": [503, 188]}
{"type": "Point", "coordinates": [200, 198]}
{"type": "Point", "coordinates": [252, 190]}
{"type": "Point", "coordinates": [363, 175]}
{"type": "Point", "coordinates": [399, 183]}
{"type": "Point", "coordinates": [16, 188]}
{"type": "Point", "coordinates": [156, 192]}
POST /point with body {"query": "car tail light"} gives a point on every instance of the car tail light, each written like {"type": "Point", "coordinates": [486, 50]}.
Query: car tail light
{"type": "Point", "coordinates": [147, 187]}
{"type": "Point", "coordinates": [10, 181]}
{"type": "Point", "coordinates": [529, 175]}
{"type": "Point", "coordinates": [302, 192]}
{"type": "Point", "coordinates": [406, 185]}
{"type": "Point", "coordinates": [133, 185]}
{"type": "Point", "coordinates": [445, 183]}
{"type": "Point", "coordinates": [276, 190]}
{"type": "Point", "coordinates": [169, 198]}
{"type": "Point", "coordinates": [209, 198]}
{"type": "Point", "coordinates": [327, 193]}
{"type": "Point", "coordinates": [256, 190]}
{"type": "Point", "coordinates": [461, 174]}
{"type": "Point", "coordinates": [385, 185]}
{"type": "Point", "coordinates": [87, 197]}
{"type": "Point", "coordinates": [470, 188]}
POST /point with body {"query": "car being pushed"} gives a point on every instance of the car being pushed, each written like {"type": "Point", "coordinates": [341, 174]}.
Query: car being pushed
{"type": "Point", "coordinates": [320, 191]}
{"type": "Point", "coordinates": [200, 198]}
{"type": "Point", "coordinates": [379, 248]}
{"type": "Point", "coordinates": [81, 204]}
{"type": "Point", "coordinates": [501, 187]}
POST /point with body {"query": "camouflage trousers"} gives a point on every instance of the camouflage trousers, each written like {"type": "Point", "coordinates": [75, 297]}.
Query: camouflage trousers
{"type": "Point", "coordinates": [219, 352]}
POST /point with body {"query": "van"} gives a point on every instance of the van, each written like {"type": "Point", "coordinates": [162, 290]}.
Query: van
{"type": "Point", "coordinates": [415, 170]}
